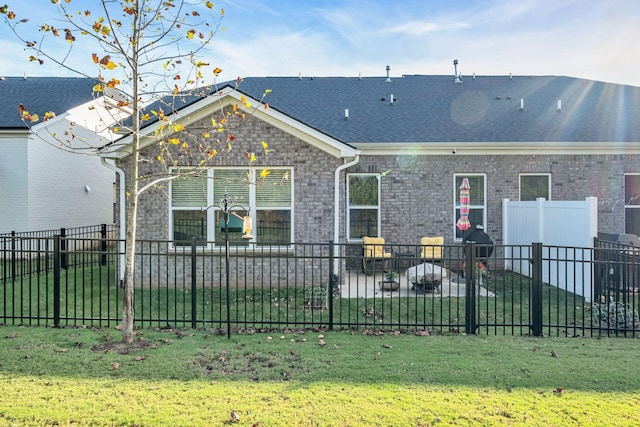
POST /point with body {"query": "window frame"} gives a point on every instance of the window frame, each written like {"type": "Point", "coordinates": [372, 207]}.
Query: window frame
{"type": "Point", "coordinates": [212, 208]}
{"type": "Point", "coordinates": [628, 205]}
{"type": "Point", "coordinates": [548, 175]}
{"type": "Point", "coordinates": [456, 202]}
{"type": "Point", "coordinates": [349, 207]}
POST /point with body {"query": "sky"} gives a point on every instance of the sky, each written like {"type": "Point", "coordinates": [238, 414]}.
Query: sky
{"type": "Point", "coordinates": [591, 39]}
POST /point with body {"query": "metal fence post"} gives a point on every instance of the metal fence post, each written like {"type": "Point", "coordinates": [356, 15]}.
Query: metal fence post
{"type": "Point", "coordinates": [13, 256]}
{"type": "Point", "coordinates": [103, 244]}
{"type": "Point", "coordinates": [194, 301]}
{"type": "Point", "coordinates": [56, 280]}
{"type": "Point", "coordinates": [470, 288]}
{"type": "Point", "coordinates": [331, 284]}
{"type": "Point", "coordinates": [64, 262]}
{"type": "Point", "coordinates": [536, 290]}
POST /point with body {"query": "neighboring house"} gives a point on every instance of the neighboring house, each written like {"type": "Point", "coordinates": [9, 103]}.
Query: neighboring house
{"type": "Point", "coordinates": [43, 187]}
{"type": "Point", "coordinates": [353, 157]}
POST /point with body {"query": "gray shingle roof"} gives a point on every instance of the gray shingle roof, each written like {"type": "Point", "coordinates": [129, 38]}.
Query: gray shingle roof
{"type": "Point", "coordinates": [39, 95]}
{"type": "Point", "coordinates": [435, 109]}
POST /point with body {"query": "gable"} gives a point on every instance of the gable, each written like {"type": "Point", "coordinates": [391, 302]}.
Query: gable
{"type": "Point", "coordinates": [191, 109]}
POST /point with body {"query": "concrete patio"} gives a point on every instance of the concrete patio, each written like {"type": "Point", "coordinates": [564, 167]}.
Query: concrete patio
{"type": "Point", "coordinates": [360, 285]}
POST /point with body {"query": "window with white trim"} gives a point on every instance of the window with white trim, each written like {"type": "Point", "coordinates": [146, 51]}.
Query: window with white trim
{"type": "Point", "coordinates": [197, 208]}
{"type": "Point", "coordinates": [477, 202]}
{"type": "Point", "coordinates": [535, 185]}
{"type": "Point", "coordinates": [363, 212]}
{"type": "Point", "coordinates": [632, 203]}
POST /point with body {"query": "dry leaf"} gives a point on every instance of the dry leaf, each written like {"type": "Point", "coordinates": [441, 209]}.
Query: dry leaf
{"type": "Point", "coordinates": [140, 357]}
{"type": "Point", "coordinates": [12, 335]}
{"type": "Point", "coordinates": [62, 350]}
{"type": "Point", "coordinates": [554, 354]}
{"type": "Point", "coordinates": [387, 345]}
{"type": "Point", "coordinates": [234, 417]}
{"type": "Point", "coordinates": [114, 366]}
{"type": "Point", "coordinates": [321, 342]}
{"type": "Point", "coordinates": [377, 355]}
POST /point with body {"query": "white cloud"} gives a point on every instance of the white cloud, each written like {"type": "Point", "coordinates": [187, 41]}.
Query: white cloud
{"type": "Point", "coordinates": [590, 39]}
{"type": "Point", "coordinates": [417, 28]}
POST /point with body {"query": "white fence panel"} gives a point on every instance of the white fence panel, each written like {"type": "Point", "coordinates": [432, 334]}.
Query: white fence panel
{"type": "Point", "coordinates": [560, 226]}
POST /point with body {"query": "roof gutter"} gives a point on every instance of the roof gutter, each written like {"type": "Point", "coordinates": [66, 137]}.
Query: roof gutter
{"type": "Point", "coordinates": [122, 227]}
{"type": "Point", "coordinates": [336, 203]}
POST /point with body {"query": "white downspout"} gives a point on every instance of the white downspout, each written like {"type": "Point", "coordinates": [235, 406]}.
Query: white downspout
{"type": "Point", "coordinates": [336, 204]}
{"type": "Point", "coordinates": [123, 217]}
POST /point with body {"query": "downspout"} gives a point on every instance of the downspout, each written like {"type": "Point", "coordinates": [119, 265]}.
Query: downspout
{"type": "Point", "coordinates": [336, 203]}
{"type": "Point", "coordinates": [122, 226]}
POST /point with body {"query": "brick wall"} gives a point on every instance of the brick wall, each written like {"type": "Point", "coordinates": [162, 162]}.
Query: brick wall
{"type": "Point", "coordinates": [418, 194]}
{"type": "Point", "coordinates": [313, 180]}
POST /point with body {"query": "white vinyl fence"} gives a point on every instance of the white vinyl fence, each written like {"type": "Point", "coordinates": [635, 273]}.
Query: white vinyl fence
{"type": "Point", "coordinates": [565, 228]}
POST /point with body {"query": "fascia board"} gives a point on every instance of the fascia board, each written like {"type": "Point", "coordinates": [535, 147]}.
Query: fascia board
{"type": "Point", "coordinates": [14, 132]}
{"type": "Point", "coordinates": [496, 148]}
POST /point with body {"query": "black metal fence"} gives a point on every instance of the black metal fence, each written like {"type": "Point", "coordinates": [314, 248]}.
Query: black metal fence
{"type": "Point", "coordinates": [30, 253]}
{"type": "Point", "coordinates": [528, 289]}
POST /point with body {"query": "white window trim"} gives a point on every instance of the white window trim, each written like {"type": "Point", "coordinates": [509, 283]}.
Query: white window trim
{"type": "Point", "coordinates": [348, 207]}
{"type": "Point", "coordinates": [627, 206]}
{"type": "Point", "coordinates": [534, 174]}
{"type": "Point", "coordinates": [456, 203]}
{"type": "Point", "coordinates": [213, 207]}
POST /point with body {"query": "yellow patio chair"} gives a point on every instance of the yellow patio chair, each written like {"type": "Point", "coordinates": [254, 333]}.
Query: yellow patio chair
{"type": "Point", "coordinates": [431, 248]}
{"type": "Point", "coordinates": [374, 253]}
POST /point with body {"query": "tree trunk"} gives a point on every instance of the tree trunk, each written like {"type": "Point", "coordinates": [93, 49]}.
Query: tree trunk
{"type": "Point", "coordinates": [130, 252]}
{"type": "Point", "coordinates": [132, 211]}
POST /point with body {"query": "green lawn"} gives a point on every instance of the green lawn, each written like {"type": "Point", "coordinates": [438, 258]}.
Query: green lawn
{"type": "Point", "coordinates": [91, 297]}
{"type": "Point", "coordinates": [190, 378]}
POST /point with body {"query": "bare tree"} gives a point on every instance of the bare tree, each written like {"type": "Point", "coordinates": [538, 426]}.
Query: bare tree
{"type": "Point", "coordinates": [147, 60]}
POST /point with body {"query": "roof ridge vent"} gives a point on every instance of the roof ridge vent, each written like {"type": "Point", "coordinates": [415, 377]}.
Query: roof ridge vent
{"type": "Point", "coordinates": [456, 78]}
{"type": "Point", "coordinates": [388, 79]}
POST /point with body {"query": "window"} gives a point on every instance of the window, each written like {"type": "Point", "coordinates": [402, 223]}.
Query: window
{"type": "Point", "coordinates": [533, 186]}
{"type": "Point", "coordinates": [197, 208]}
{"type": "Point", "coordinates": [477, 201]}
{"type": "Point", "coordinates": [188, 198]}
{"type": "Point", "coordinates": [632, 204]}
{"type": "Point", "coordinates": [363, 213]}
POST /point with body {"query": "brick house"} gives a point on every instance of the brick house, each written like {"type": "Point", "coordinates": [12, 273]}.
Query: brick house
{"type": "Point", "coordinates": [386, 156]}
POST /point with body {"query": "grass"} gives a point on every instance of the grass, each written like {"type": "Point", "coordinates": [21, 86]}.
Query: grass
{"type": "Point", "coordinates": [85, 377]}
